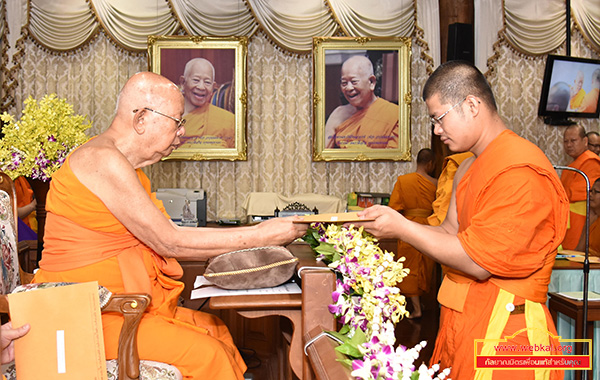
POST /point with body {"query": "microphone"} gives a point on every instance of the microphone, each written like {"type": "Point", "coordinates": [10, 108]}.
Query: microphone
{"type": "Point", "coordinates": [586, 261]}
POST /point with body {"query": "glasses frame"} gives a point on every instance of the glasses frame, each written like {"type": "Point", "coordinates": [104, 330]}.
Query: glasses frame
{"type": "Point", "coordinates": [180, 122]}
{"type": "Point", "coordinates": [438, 120]}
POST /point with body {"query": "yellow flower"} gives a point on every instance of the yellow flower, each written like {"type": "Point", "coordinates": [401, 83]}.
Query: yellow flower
{"type": "Point", "coordinates": [37, 144]}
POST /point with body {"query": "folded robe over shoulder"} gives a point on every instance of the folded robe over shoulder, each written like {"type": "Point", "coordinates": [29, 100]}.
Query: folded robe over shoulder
{"type": "Point", "coordinates": [85, 242]}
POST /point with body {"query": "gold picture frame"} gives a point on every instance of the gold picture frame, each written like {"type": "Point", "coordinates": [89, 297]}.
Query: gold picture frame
{"type": "Point", "coordinates": [215, 131]}
{"type": "Point", "coordinates": [345, 137]}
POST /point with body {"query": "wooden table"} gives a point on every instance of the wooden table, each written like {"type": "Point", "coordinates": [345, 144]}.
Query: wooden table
{"type": "Point", "coordinates": [305, 311]}
{"type": "Point", "coordinates": [567, 276]}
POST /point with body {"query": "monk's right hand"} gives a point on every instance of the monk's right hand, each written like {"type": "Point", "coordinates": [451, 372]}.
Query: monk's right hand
{"type": "Point", "coordinates": [282, 231]}
{"type": "Point", "coordinates": [381, 221]}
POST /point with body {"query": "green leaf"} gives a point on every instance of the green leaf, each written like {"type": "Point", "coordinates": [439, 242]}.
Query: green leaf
{"type": "Point", "coordinates": [340, 335]}
{"type": "Point", "coordinates": [349, 350]}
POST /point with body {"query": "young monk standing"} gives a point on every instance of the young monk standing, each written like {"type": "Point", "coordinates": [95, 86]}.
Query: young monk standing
{"type": "Point", "coordinates": [506, 218]}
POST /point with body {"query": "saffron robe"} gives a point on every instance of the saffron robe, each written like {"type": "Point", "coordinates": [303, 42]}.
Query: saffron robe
{"type": "Point", "coordinates": [412, 196]}
{"type": "Point", "coordinates": [512, 214]}
{"type": "Point", "coordinates": [589, 163]}
{"type": "Point", "coordinates": [85, 242]}
{"type": "Point", "coordinates": [373, 127]}
{"type": "Point", "coordinates": [209, 127]}
{"type": "Point", "coordinates": [590, 101]}
{"type": "Point", "coordinates": [443, 194]}
{"type": "Point", "coordinates": [576, 100]}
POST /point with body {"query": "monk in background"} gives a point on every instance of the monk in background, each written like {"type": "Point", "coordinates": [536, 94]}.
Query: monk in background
{"type": "Point", "coordinates": [104, 224]}
{"type": "Point", "coordinates": [593, 142]}
{"type": "Point", "coordinates": [506, 219]}
{"type": "Point", "coordinates": [443, 193]}
{"type": "Point", "coordinates": [575, 144]}
{"type": "Point", "coordinates": [590, 100]}
{"type": "Point", "coordinates": [594, 244]}
{"type": "Point", "coordinates": [577, 91]}
{"type": "Point", "coordinates": [208, 126]}
{"type": "Point", "coordinates": [367, 121]}
{"type": "Point", "coordinates": [413, 196]}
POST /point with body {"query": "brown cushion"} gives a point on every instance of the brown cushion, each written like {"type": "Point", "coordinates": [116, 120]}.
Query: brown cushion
{"type": "Point", "coordinates": [252, 268]}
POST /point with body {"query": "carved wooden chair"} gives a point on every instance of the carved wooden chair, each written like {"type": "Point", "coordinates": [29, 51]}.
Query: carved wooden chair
{"type": "Point", "coordinates": [128, 365]}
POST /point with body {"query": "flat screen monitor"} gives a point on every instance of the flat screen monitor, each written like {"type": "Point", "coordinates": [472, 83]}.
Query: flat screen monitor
{"type": "Point", "coordinates": [570, 89]}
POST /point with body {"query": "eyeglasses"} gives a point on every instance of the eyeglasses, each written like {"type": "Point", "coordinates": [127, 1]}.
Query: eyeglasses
{"type": "Point", "coordinates": [180, 122]}
{"type": "Point", "coordinates": [438, 120]}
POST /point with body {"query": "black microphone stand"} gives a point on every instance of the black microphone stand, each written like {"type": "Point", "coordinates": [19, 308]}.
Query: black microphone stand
{"type": "Point", "coordinates": [586, 260]}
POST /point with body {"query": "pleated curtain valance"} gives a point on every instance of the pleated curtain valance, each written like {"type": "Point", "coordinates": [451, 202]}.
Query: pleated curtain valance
{"type": "Point", "coordinates": [532, 27]}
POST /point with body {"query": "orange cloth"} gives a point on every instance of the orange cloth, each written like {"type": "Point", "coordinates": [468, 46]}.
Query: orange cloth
{"type": "Point", "coordinates": [589, 163]}
{"type": "Point", "coordinates": [375, 126]}
{"type": "Point", "coordinates": [24, 197]}
{"type": "Point", "coordinates": [512, 214]}
{"type": "Point", "coordinates": [443, 194]}
{"type": "Point", "coordinates": [210, 127]}
{"type": "Point", "coordinates": [590, 101]}
{"type": "Point", "coordinates": [85, 242]}
{"type": "Point", "coordinates": [412, 196]}
{"type": "Point", "coordinates": [576, 100]}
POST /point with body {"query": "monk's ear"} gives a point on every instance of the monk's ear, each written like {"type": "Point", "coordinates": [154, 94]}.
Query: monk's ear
{"type": "Point", "coordinates": [372, 82]}
{"type": "Point", "coordinates": [139, 122]}
{"type": "Point", "coordinates": [474, 104]}
{"type": "Point", "coordinates": [181, 82]}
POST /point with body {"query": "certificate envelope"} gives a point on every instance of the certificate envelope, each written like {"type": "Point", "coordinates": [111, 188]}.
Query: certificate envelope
{"type": "Point", "coordinates": [65, 340]}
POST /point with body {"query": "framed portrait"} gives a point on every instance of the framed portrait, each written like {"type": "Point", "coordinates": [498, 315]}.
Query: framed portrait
{"type": "Point", "coordinates": [211, 73]}
{"type": "Point", "coordinates": [361, 98]}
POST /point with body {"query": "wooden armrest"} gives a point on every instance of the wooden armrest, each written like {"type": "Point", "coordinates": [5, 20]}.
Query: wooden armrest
{"type": "Point", "coordinates": [324, 358]}
{"type": "Point", "coordinates": [132, 306]}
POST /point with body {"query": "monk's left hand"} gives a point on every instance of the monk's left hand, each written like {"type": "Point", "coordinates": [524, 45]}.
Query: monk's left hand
{"type": "Point", "coordinates": [381, 221]}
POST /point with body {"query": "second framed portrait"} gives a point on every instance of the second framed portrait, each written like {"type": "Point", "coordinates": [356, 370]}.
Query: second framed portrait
{"type": "Point", "coordinates": [361, 98]}
{"type": "Point", "coordinates": [211, 74]}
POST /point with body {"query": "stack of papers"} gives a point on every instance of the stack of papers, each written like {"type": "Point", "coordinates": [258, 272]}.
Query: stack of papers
{"type": "Point", "coordinates": [206, 291]}
{"type": "Point", "coordinates": [592, 296]}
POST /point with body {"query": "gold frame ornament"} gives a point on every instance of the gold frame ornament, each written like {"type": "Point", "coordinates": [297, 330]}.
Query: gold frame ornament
{"type": "Point", "coordinates": [168, 55]}
{"type": "Point", "coordinates": [392, 58]}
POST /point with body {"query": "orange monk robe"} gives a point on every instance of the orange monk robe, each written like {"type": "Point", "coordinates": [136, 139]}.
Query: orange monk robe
{"type": "Point", "coordinates": [512, 214]}
{"type": "Point", "coordinates": [443, 194]}
{"type": "Point", "coordinates": [412, 196]}
{"type": "Point", "coordinates": [85, 242]}
{"type": "Point", "coordinates": [589, 163]}
{"type": "Point", "coordinates": [25, 197]}
{"type": "Point", "coordinates": [576, 100]}
{"type": "Point", "coordinates": [209, 127]}
{"type": "Point", "coordinates": [375, 126]}
{"type": "Point", "coordinates": [590, 101]}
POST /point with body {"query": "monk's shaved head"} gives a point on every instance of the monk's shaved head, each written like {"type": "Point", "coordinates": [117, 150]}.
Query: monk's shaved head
{"type": "Point", "coordinates": [147, 89]}
{"type": "Point", "coordinates": [425, 156]}
{"type": "Point", "coordinates": [359, 63]}
{"type": "Point", "coordinates": [576, 127]}
{"type": "Point", "coordinates": [198, 63]}
{"type": "Point", "coordinates": [453, 81]}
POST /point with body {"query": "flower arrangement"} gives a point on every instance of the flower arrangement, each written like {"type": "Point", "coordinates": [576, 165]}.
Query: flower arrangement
{"type": "Point", "coordinates": [368, 304]}
{"type": "Point", "coordinates": [37, 144]}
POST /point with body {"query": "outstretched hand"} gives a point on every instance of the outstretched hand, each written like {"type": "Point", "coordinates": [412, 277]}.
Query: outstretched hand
{"type": "Point", "coordinates": [7, 337]}
{"type": "Point", "coordinates": [380, 221]}
{"type": "Point", "coordinates": [282, 231]}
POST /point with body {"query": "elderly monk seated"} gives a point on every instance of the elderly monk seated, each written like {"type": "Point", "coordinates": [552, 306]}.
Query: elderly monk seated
{"type": "Point", "coordinates": [104, 224]}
